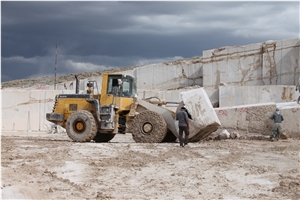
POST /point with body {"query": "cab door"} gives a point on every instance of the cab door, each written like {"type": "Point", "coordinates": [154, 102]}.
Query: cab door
{"type": "Point", "coordinates": [109, 94]}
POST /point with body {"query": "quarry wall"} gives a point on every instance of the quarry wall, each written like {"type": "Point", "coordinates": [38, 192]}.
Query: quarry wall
{"type": "Point", "coordinates": [26, 110]}
{"type": "Point", "coordinates": [243, 95]}
{"type": "Point", "coordinates": [171, 75]}
{"type": "Point", "coordinates": [267, 63]}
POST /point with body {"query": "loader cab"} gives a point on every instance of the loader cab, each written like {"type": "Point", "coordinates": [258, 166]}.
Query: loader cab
{"type": "Point", "coordinates": [118, 90]}
{"type": "Point", "coordinates": [116, 99]}
{"type": "Point", "coordinates": [121, 86]}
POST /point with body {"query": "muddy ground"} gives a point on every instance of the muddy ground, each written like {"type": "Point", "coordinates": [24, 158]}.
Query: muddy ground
{"type": "Point", "coordinates": [51, 166]}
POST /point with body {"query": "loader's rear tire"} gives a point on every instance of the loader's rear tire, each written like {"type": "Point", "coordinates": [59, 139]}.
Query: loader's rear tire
{"type": "Point", "coordinates": [122, 126]}
{"type": "Point", "coordinates": [149, 127]}
{"type": "Point", "coordinates": [104, 137]}
{"type": "Point", "coordinates": [81, 126]}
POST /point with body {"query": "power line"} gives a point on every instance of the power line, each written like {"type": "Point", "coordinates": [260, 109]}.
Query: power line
{"type": "Point", "coordinates": [55, 69]}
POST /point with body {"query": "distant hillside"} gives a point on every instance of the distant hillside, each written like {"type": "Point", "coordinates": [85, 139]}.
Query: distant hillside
{"type": "Point", "coordinates": [47, 80]}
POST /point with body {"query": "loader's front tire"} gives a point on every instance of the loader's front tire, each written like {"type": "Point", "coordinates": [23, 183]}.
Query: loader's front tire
{"type": "Point", "coordinates": [148, 127]}
{"type": "Point", "coordinates": [104, 137]}
{"type": "Point", "coordinates": [81, 126]}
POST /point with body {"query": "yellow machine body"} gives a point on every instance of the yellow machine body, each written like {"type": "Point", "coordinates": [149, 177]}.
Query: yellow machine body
{"type": "Point", "coordinates": [107, 112]}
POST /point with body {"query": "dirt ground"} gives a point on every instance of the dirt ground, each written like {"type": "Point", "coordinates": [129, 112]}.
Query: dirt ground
{"type": "Point", "coordinates": [51, 166]}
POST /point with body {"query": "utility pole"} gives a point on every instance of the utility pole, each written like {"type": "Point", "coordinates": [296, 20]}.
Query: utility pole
{"type": "Point", "coordinates": [55, 69]}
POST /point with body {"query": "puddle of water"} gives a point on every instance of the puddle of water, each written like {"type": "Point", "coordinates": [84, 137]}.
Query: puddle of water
{"type": "Point", "coordinates": [278, 148]}
{"type": "Point", "coordinates": [287, 148]}
{"type": "Point", "coordinates": [71, 170]}
{"type": "Point", "coordinates": [262, 181]}
{"type": "Point", "coordinates": [293, 148]}
{"type": "Point", "coordinates": [30, 146]}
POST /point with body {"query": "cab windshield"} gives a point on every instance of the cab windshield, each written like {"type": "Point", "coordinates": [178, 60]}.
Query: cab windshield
{"type": "Point", "coordinates": [128, 86]}
{"type": "Point", "coordinates": [122, 86]}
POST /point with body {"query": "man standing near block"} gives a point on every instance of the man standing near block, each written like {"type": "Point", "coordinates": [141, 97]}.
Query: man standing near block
{"type": "Point", "coordinates": [278, 118]}
{"type": "Point", "coordinates": [298, 89]}
{"type": "Point", "coordinates": [183, 124]}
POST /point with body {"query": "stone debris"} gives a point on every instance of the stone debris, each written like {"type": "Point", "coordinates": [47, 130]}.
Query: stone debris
{"type": "Point", "coordinates": [283, 136]}
{"type": "Point", "coordinates": [234, 135]}
{"type": "Point", "coordinates": [224, 135]}
{"type": "Point", "coordinates": [212, 136]}
{"type": "Point", "coordinates": [244, 137]}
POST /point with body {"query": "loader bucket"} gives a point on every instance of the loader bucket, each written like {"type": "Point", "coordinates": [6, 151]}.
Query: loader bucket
{"type": "Point", "coordinates": [204, 119]}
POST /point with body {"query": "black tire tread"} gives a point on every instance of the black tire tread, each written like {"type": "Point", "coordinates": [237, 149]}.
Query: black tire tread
{"type": "Point", "coordinates": [104, 137]}
{"type": "Point", "coordinates": [90, 131]}
{"type": "Point", "coordinates": [158, 133]}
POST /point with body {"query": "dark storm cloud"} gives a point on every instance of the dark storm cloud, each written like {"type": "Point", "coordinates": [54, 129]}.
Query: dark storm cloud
{"type": "Point", "coordinates": [92, 36]}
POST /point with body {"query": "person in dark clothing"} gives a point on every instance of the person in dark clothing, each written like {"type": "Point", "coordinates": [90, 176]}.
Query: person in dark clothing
{"type": "Point", "coordinates": [183, 124]}
{"type": "Point", "coordinates": [189, 115]}
{"type": "Point", "coordinates": [298, 89]}
{"type": "Point", "coordinates": [276, 131]}
{"type": "Point", "coordinates": [116, 90]}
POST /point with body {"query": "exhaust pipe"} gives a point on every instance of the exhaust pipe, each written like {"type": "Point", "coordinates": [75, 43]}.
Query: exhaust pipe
{"type": "Point", "coordinates": [77, 85]}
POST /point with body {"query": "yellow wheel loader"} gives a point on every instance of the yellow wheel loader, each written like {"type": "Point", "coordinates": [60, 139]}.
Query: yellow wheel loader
{"type": "Point", "coordinates": [99, 116]}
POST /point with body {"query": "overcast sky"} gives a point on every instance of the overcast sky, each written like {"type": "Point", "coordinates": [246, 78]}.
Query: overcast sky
{"type": "Point", "coordinates": [92, 36]}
